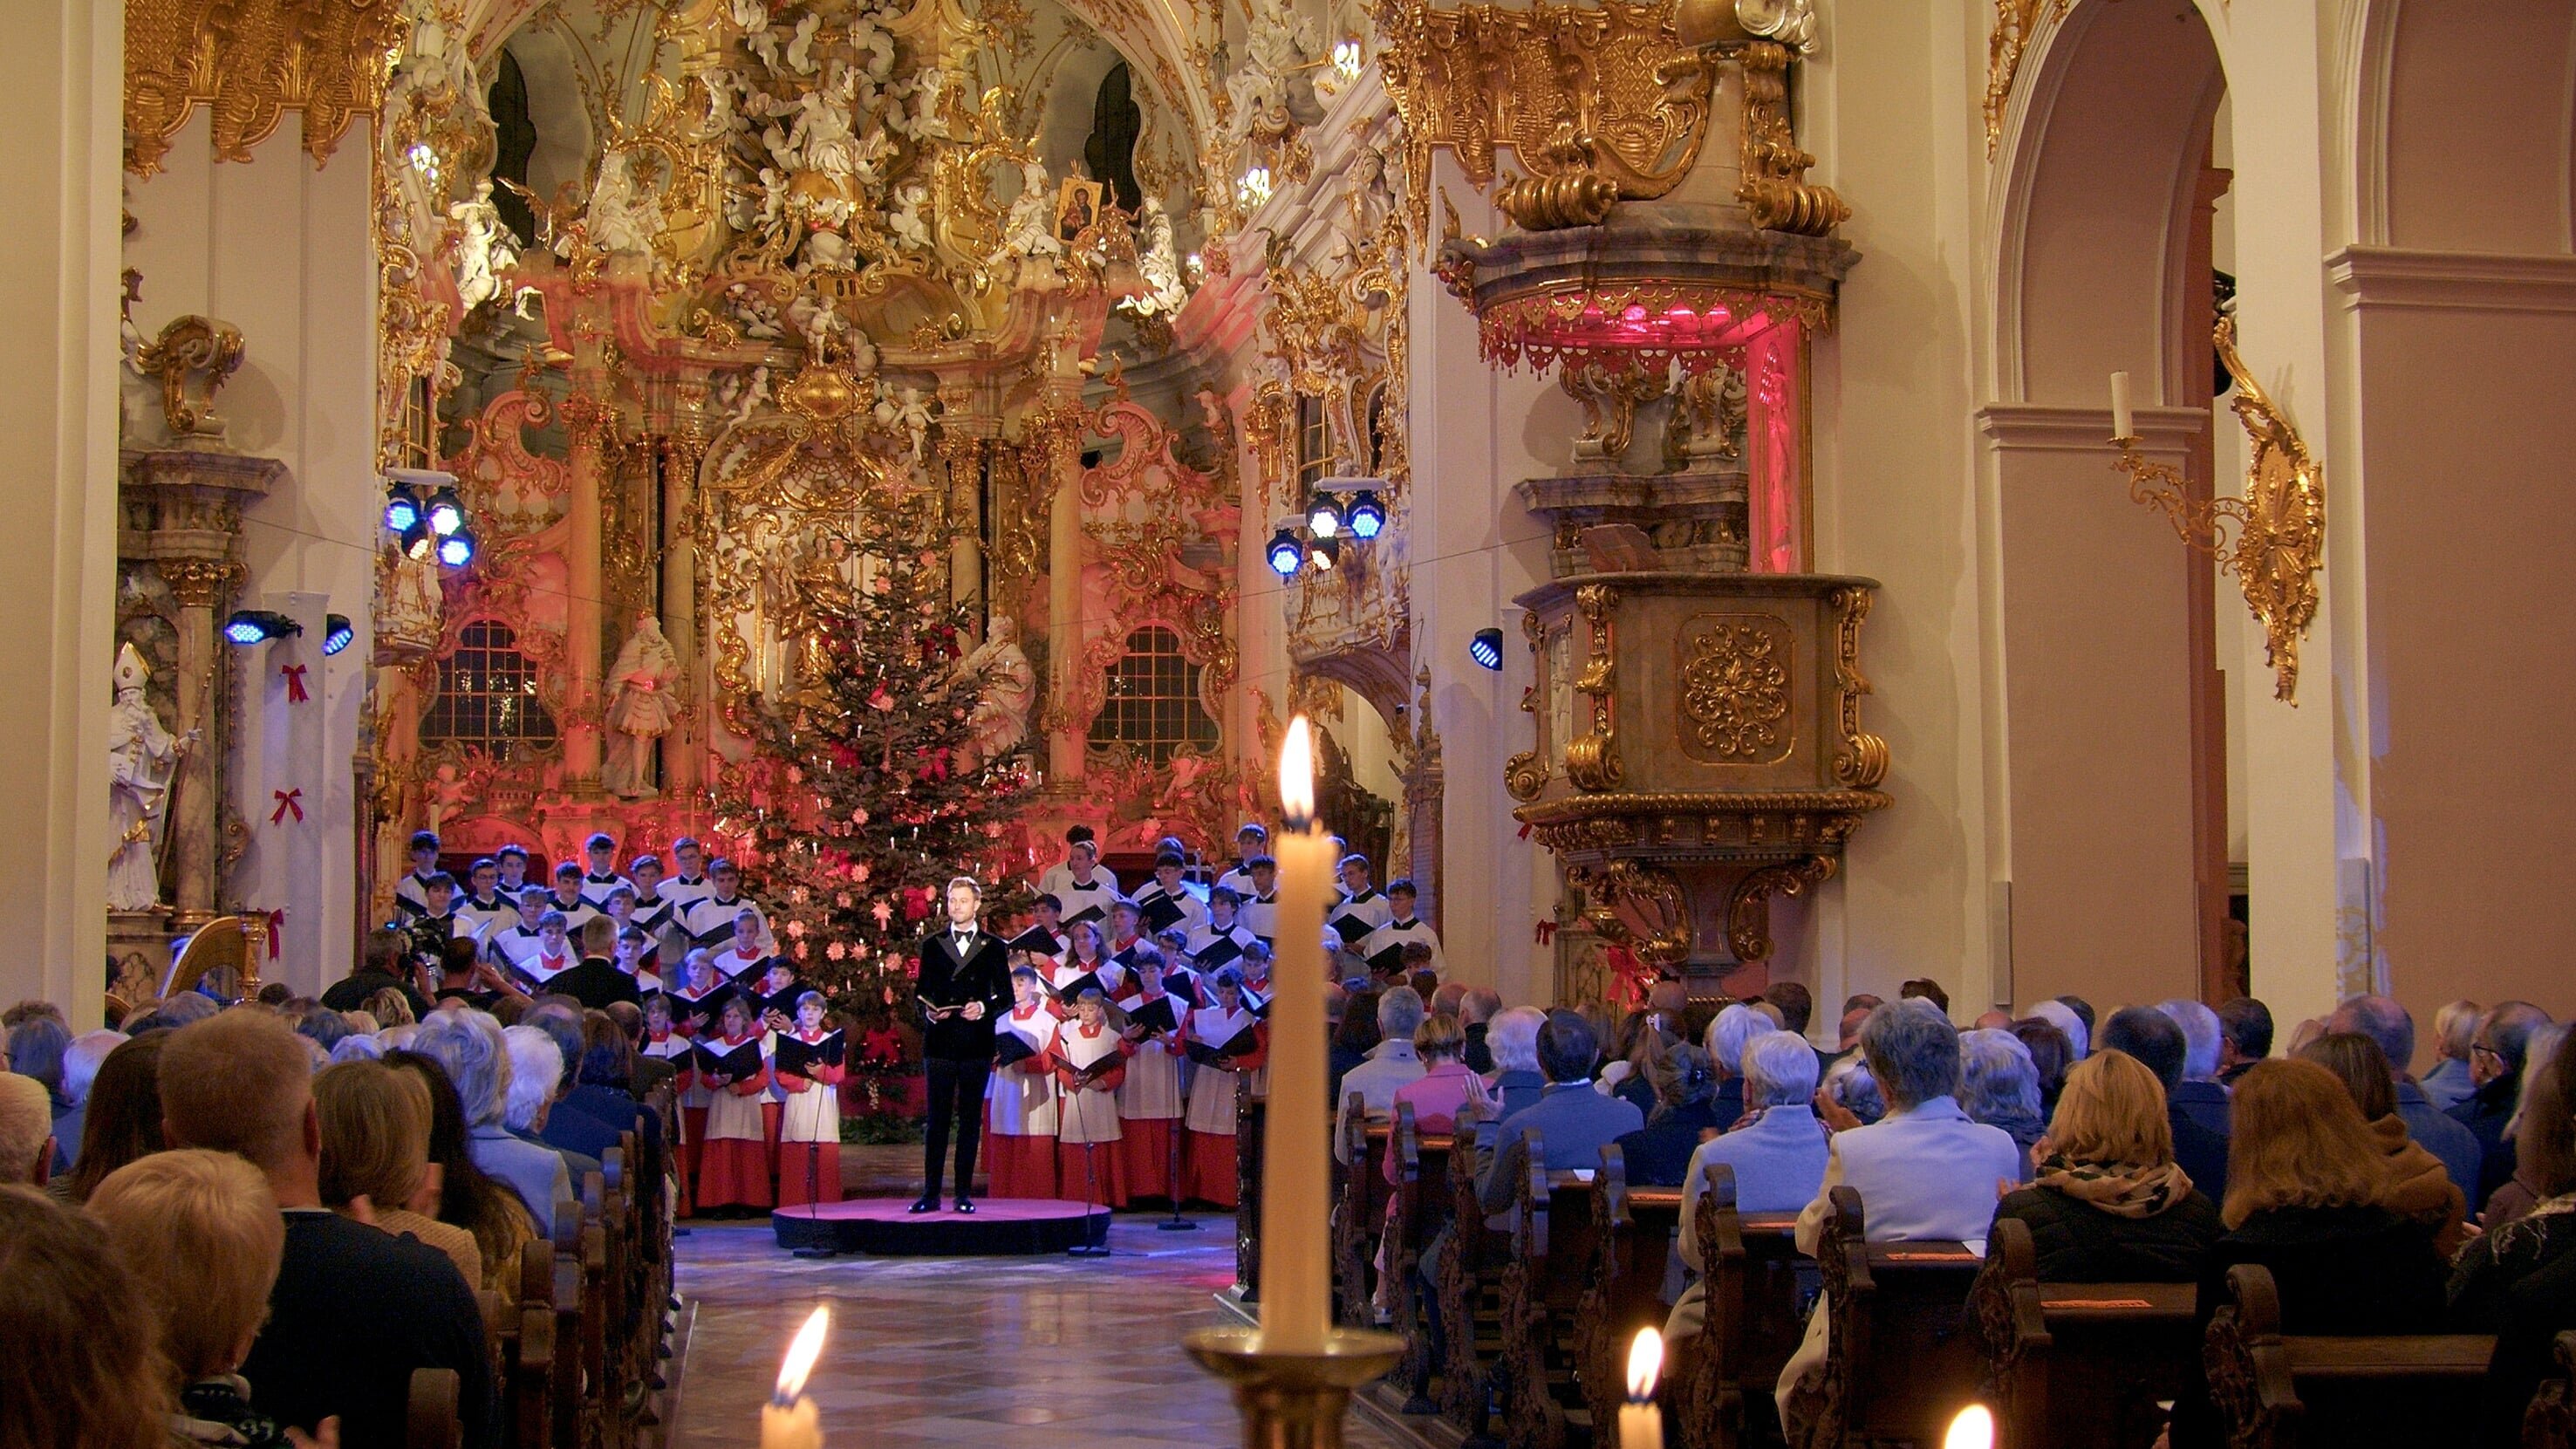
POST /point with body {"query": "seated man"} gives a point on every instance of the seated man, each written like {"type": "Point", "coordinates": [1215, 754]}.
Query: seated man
{"type": "Point", "coordinates": [2153, 1038]}
{"type": "Point", "coordinates": [355, 1309]}
{"type": "Point", "coordinates": [1389, 1065]}
{"type": "Point", "coordinates": [1573, 1121]}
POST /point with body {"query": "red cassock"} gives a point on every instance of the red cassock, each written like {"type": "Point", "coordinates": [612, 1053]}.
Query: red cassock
{"type": "Point", "coordinates": [1208, 1169]}
{"type": "Point", "coordinates": [1087, 1127]}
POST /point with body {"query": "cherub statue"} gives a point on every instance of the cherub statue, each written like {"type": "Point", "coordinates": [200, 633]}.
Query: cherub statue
{"type": "Point", "coordinates": [907, 410]}
{"type": "Point", "coordinates": [909, 221]}
{"type": "Point", "coordinates": [142, 758]}
{"type": "Point", "coordinates": [485, 248]}
{"type": "Point", "coordinates": [642, 710]}
{"type": "Point", "coordinates": [1157, 263]}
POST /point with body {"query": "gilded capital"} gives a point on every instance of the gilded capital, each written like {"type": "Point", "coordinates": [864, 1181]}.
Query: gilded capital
{"type": "Point", "coordinates": [197, 583]}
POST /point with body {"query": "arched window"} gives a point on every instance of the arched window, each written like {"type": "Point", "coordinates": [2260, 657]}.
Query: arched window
{"type": "Point", "coordinates": [1110, 149]}
{"type": "Point", "coordinates": [516, 137]}
{"type": "Point", "coordinates": [1314, 444]}
{"type": "Point", "coordinates": [1150, 704]}
{"type": "Point", "coordinates": [487, 694]}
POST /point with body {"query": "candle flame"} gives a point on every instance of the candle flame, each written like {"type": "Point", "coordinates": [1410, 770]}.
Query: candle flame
{"type": "Point", "coordinates": [1645, 1364]}
{"type": "Point", "coordinates": [801, 1355]}
{"type": "Point", "coordinates": [1973, 1429]}
{"type": "Point", "coordinates": [1297, 775]}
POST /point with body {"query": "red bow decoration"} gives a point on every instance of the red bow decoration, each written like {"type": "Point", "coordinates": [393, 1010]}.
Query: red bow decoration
{"type": "Point", "coordinates": [287, 800]}
{"type": "Point", "coordinates": [937, 768]}
{"type": "Point", "coordinates": [276, 928]}
{"type": "Point", "coordinates": [1525, 830]}
{"type": "Point", "coordinates": [1545, 934]}
{"type": "Point", "coordinates": [294, 688]}
{"type": "Point", "coordinates": [916, 902]}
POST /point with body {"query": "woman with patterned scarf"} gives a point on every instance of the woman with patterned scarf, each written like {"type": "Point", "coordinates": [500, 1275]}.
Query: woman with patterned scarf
{"type": "Point", "coordinates": [2107, 1203]}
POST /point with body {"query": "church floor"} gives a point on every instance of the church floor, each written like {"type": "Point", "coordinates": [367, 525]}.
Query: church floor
{"type": "Point", "coordinates": [936, 1353]}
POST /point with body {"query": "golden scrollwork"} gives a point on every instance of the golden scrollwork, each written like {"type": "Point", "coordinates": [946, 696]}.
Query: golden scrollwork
{"type": "Point", "coordinates": [1484, 76]}
{"type": "Point", "coordinates": [1525, 774]}
{"type": "Point", "coordinates": [1610, 391]}
{"type": "Point", "coordinates": [1734, 698]}
{"type": "Point", "coordinates": [1592, 760]}
{"type": "Point", "coordinates": [2016, 21]}
{"type": "Point", "coordinates": [1547, 324]}
{"type": "Point", "coordinates": [1775, 190]}
{"type": "Point", "coordinates": [2279, 525]}
{"type": "Point", "coordinates": [1861, 760]}
{"type": "Point", "coordinates": [198, 347]}
{"type": "Point", "coordinates": [1748, 910]}
{"type": "Point", "coordinates": [1639, 903]}
{"type": "Point", "coordinates": [198, 583]}
{"type": "Point", "coordinates": [249, 62]}
{"type": "Point", "coordinates": [1571, 191]}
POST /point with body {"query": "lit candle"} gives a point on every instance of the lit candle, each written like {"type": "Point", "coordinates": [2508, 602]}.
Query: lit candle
{"type": "Point", "coordinates": [2122, 424]}
{"type": "Point", "coordinates": [1296, 1291]}
{"type": "Point", "coordinates": [1641, 1424]}
{"type": "Point", "coordinates": [790, 1420]}
{"type": "Point", "coordinates": [1973, 1429]}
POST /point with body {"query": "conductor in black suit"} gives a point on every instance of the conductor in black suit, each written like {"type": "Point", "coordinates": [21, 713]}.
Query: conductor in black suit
{"type": "Point", "coordinates": [964, 987]}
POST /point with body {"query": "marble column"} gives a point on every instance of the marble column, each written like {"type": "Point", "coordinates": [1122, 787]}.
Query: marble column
{"type": "Point", "coordinates": [964, 454]}
{"type": "Point", "coordinates": [586, 419]}
{"type": "Point", "coordinates": [1060, 457]}
{"type": "Point", "coordinates": [682, 454]}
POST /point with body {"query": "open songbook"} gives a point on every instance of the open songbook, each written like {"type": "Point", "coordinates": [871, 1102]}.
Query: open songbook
{"type": "Point", "coordinates": [1160, 1014]}
{"type": "Point", "coordinates": [796, 1055]}
{"type": "Point", "coordinates": [1243, 1044]}
{"type": "Point", "coordinates": [1010, 1048]}
{"type": "Point", "coordinates": [1038, 941]}
{"type": "Point", "coordinates": [1160, 914]}
{"type": "Point", "coordinates": [1086, 1076]}
{"type": "Point", "coordinates": [734, 1064]}
{"type": "Point", "coordinates": [1071, 991]}
{"type": "Point", "coordinates": [1352, 927]}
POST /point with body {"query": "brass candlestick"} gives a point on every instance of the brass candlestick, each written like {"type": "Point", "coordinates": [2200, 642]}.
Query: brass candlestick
{"type": "Point", "coordinates": [1294, 1401]}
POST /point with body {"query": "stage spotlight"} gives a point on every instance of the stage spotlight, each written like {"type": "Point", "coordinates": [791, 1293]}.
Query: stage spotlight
{"type": "Point", "coordinates": [402, 510]}
{"type": "Point", "coordinates": [1367, 515]}
{"type": "Point", "coordinates": [1287, 554]}
{"type": "Point", "coordinates": [1326, 553]}
{"type": "Point", "coordinates": [258, 626]}
{"type": "Point", "coordinates": [1486, 648]}
{"type": "Point", "coordinates": [1323, 516]}
{"type": "Point", "coordinates": [417, 541]}
{"type": "Point", "coordinates": [446, 514]}
{"type": "Point", "coordinates": [457, 549]}
{"type": "Point", "coordinates": [337, 632]}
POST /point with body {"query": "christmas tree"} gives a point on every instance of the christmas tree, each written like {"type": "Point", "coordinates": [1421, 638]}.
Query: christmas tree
{"type": "Point", "coordinates": [867, 790]}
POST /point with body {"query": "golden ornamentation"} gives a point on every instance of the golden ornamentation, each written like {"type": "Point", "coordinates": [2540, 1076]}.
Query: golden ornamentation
{"type": "Point", "coordinates": [1571, 193]}
{"type": "Point", "coordinates": [250, 62]}
{"type": "Point", "coordinates": [1484, 76]}
{"type": "Point", "coordinates": [1592, 760]}
{"type": "Point", "coordinates": [1735, 688]}
{"type": "Point", "coordinates": [1740, 824]}
{"type": "Point", "coordinates": [1644, 904]}
{"type": "Point", "coordinates": [1610, 391]}
{"type": "Point", "coordinates": [1548, 324]}
{"type": "Point", "coordinates": [198, 583]}
{"type": "Point", "coordinates": [1862, 759]}
{"type": "Point", "coordinates": [1748, 910]}
{"type": "Point", "coordinates": [1775, 189]}
{"type": "Point", "coordinates": [2279, 525]}
{"type": "Point", "coordinates": [1525, 774]}
{"type": "Point", "coordinates": [188, 347]}
{"type": "Point", "coordinates": [2016, 22]}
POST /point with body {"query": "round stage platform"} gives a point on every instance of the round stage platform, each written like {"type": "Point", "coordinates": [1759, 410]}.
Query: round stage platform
{"type": "Point", "coordinates": [999, 1227]}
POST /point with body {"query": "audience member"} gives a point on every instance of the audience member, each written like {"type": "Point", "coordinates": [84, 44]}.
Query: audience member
{"type": "Point", "coordinates": [2542, 1233]}
{"type": "Point", "coordinates": [1999, 1086]}
{"type": "Point", "coordinates": [1573, 1121]}
{"type": "Point", "coordinates": [467, 1046]}
{"type": "Point", "coordinates": [2108, 1203]}
{"type": "Point", "coordinates": [80, 1070]}
{"type": "Point", "coordinates": [2199, 1094]}
{"type": "Point", "coordinates": [1517, 1081]}
{"type": "Point", "coordinates": [1850, 1096]}
{"type": "Point", "coordinates": [2244, 1036]}
{"type": "Point", "coordinates": [26, 1131]}
{"type": "Point", "coordinates": [1476, 1012]}
{"type": "Point", "coordinates": [1627, 1067]}
{"type": "Point", "coordinates": [1847, 1033]}
{"type": "Point", "coordinates": [2051, 1055]}
{"type": "Point", "coordinates": [375, 1157]}
{"type": "Point", "coordinates": [1776, 1151]}
{"type": "Point", "coordinates": [536, 1076]}
{"type": "Point", "coordinates": [2384, 1021]}
{"type": "Point", "coordinates": [380, 968]}
{"type": "Point", "coordinates": [1389, 1065]}
{"type": "Point", "coordinates": [1923, 1171]}
{"type": "Point", "coordinates": [1927, 989]}
{"type": "Point", "coordinates": [25, 1011]}
{"type": "Point", "coordinates": [1796, 1003]}
{"type": "Point", "coordinates": [2455, 1027]}
{"type": "Point", "coordinates": [1352, 1041]}
{"type": "Point", "coordinates": [2083, 1010]}
{"type": "Point", "coordinates": [355, 1310]}
{"type": "Point", "coordinates": [2418, 1186]}
{"type": "Point", "coordinates": [2496, 1056]}
{"type": "Point", "coordinates": [1728, 1036]}
{"type": "Point", "coordinates": [37, 1047]}
{"type": "Point", "coordinates": [1659, 1153]}
{"type": "Point", "coordinates": [585, 1132]}
{"type": "Point", "coordinates": [82, 1370]}
{"type": "Point", "coordinates": [201, 1236]}
{"type": "Point", "coordinates": [2152, 1037]}
{"type": "Point", "coordinates": [1991, 1021]}
{"type": "Point", "coordinates": [121, 1121]}
{"type": "Point", "coordinates": [2077, 1031]}
{"type": "Point", "coordinates": [469, 1197]}
{"type": "Point", "coordinates": [1445, 1086]}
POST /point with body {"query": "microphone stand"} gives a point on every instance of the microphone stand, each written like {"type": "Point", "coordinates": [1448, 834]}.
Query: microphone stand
{"type": "Point", "coordinates": [813, 1171]}
{"type": "Point", "coordinates": [1090, 1181]}
{"type": "Point", "coordinates": [1180, 1128]}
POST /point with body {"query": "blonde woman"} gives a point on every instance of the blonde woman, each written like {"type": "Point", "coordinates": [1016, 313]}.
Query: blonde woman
{"type": "Point", "coordinates": [375, 1157]}
{"type": "Point", "coordinates": [2107, 1203]}
{"type": "Point", "coordinates": [81, 1367]}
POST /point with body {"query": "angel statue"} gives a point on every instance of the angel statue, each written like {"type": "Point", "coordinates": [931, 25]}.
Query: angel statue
{"type": "Point", "coordinates": [1009, 686]}
{"type": "Point", "coordinates": [1157, 263]}
{"type": "Point", "coordinates": [142, 758]}
{"type": "Point", "coordinates": [905, 410]}
{"type": "Point", "coordinates": [623, 217]}
{"type": "Point", "coordinates": [485, 248]}
{"type": "Point", "coordinates": [1028, 230]}
{"type": "Point", "coordinates": [642, 710]}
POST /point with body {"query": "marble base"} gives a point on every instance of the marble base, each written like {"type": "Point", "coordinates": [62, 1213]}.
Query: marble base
{"type": "Point", "coordinates": [887, 1227]}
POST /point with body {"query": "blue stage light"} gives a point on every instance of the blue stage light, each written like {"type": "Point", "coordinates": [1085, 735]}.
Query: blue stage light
{"type": "Point", "coordinates": [1367, 516]}
{"type": "Point", "coordinates": [1287, 554]}
{"type": "Point", "coordinates": [337, 633]}
{"type": "Point", "coordinates": [457, 549]}
{"type": "Point", "coordinates": [258, 626]}
{"type": "Point", "coordinates": [1486, 648]}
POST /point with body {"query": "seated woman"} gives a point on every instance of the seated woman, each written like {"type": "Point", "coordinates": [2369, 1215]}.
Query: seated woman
{"type": "Point", "coordinates": [1659, 1153]}
{"type": "Point", "coordinates": [2537, 1098]}
{"type": "Point", "coordinates": [469, 1197]}
{"type": "Point", "coordinates": [1777, 1150]}
{"type": "Point", "coordinates": [2419, 1187]}
{"type": "Point", "coordinates": [2545, 1161]}
{"type": "Point", "coordinates": [84, 1365]}
{"type": "Point", "coordinates": [1445, 1085]}
{"type": "Point", "coordinates": [1999, 1086]}
{"type": "Point", "coordinates": [2108, 1204]}
{"type": "Point", "coordinates": [121, 1121]}
{"type": "Point", "coordinates": [467, 1046]}
{"type": "Point", "coordinates": [375, 1157]}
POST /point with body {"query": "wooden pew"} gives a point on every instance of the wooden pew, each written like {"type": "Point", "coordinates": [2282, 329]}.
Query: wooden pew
{"type": "Point", "coordinates": [528, 1380]}
{"type": "Point", "coordinates": [564, 1297]}
{"type": "Point", "coordinates": [430, 1420]}
{"type": "Point", "coordinates": [2079, 1363]}
{"type": "Point", "coordinates": [1467, 1276]}
{"type": "Point", "coordinates": [1633, 1231]}
{"type": "Point", "coordinates": [1753, 1284]}
{"type": "Point", "coordinates": [1901, 1361]}
{"type": "Point", "coordinates": [1543, 1284]}
{"type": "Point", "coordinates": [2274, 1390]}
{"type": "Point", "coordinates": [2550, 1420]}
{"type": "Point", "coordinates": [1421, 1208]}
{"type": "Point", "coordinates": [1360, 1191]}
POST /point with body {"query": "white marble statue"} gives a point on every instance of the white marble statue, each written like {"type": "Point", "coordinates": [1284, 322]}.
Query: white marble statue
{"type": "Point", "coordinates": [1278, 46]}
{"type": "Point", "coordinates": [909, 222]}
{"type": "Point", "coordinates": [1028, 229]}
{"type": "Point", "coordinates": [1158, 263]}
{"type": "Point", "coordinates": [905, 410]}
{"type": "Point", "coordinates": [641, 710]}
{"type": "Point", "coordinates": [1001, 715]}
{"type": "Point", "coordinates": [484, 249]}
{"type": "Point", "coordinates": [142, 756]}
{"type": "Point", "coordinates": [623, 217]}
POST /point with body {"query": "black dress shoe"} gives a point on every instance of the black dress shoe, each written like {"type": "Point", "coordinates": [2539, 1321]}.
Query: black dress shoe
{"type": "Point", "coordinates": [966, 1205]}
{"type": "Point", "coordinates": [926, 1205]}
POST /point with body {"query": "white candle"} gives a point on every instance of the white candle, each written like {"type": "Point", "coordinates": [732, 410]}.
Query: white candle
{"type": "Point", "coordinates": [790, 1420]}
{"type": "Point", "coordinates": [1641, 1423]}
{"type": "Point", "coordinates": [1296, 1277]}
{"type": "Point", "coordinates": [1973, 1429]}
{"type": "Point", "coordinates": [2122, 424]}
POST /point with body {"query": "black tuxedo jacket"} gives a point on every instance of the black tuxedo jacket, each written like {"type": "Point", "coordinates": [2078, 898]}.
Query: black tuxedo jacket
{"type": "Point", "coordinates": [984, 975]}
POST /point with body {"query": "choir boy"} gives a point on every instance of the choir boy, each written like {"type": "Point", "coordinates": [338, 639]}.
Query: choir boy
{"type": "Point", "coordinates": [1082, 959]}
{"type": "Point", "coordinates": [435, 921]}
{"type": "Point", "coordinates": [700, 995]}
{"type": "Point", "coordinates": [1126, 933]}
{"type": "Point", "coordinates": [1085, 891]}
{"type": "Point", "coordinates": [1223, 939]}
{"type": "Point", "coordinates": [1361, 909]}
{"type": "Point", "coordinates": [691, 885]}
{"type": "Point", "coordinates": [411, 893]}
{"type": "Point", "coordinates": [1045, 942]}
{"type": "Point", "coordinates": [1402, 929]}
{"type": "Point", "coordinates": [1149, 1097]}
{"type": "Point", "coordinates": [568, 900]}
{"type": "Point", "coordinates": [1020, 1116]}
{"type": "Point", "coordinates": [1075, 837]}
{"type": "Point", "coordinates": [695, 1006]}
{"type": "Point", "coordinates": [809, 1061]}
{"type": "Point", "coordinates": [484, 907]}
{"type": "Point", "coordinates": [1167, 900]}
{"type": "Point", "coordinates": [515, 946]}
{"type": "Point", "coordinates": [602, 876]}
{"type": "Point", "coordinates": [654, 910]}
{"type": "Point", "coordinates": [1090, 1064]}
{"type": "Point", "coordinates": [513, 861]}
{"type": "Point", "coordinates": [712, 918]}
{"type": "Point", "coordinates": [733, 1168]}
{"type": "Point", "coordinates": [1250, 840]}
{"type": "Point", "coordinates": [1226, 1040]}
{"type": "Point", "coordinates": [665, 1044]}
{"type": "Point", "coordinates": [553, 956]}
{"type": "Point", "coordinates": [1260, 913]}
{"type": "Point", "coordinates": [635, 961]}
{"type": "Point", "coordinates": [743, 961]}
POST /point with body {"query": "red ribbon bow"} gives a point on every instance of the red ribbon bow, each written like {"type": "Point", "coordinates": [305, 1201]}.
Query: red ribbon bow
{"type": "Point", "coordinates": [1525, 830]}
{"type": "Point", "coordinates": [276, 928]}
{"type": "Point", "coordinates": [1545, 934]}
{"type": "Point", "coordinates": [294, 691]}
{"type": "Point", "coordinates": [287, 800]}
